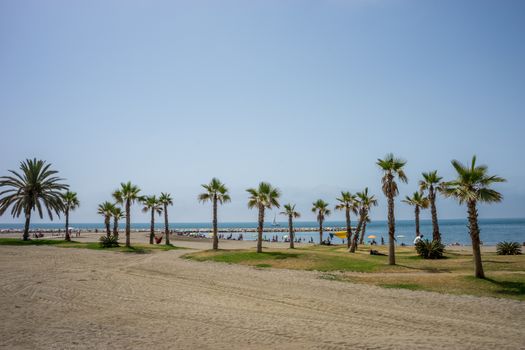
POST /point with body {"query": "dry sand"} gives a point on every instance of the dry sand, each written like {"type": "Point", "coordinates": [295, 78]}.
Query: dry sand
{"type": "Point", "coordinates": [58, 298]}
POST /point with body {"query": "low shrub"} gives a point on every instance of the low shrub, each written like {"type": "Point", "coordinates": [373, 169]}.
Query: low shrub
{"type": "Point", "coordinates": [430, 249]}
{"type": "Point", "coordinates": [508, 248]}
{"type": "Point", "coordinates": [108, 242]}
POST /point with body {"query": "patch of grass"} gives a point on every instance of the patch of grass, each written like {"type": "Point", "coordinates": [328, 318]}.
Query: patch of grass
{"type": "Point", "coordinates": [409, 286]}
{"type": "Point", "coordinates": [263, 266]}
{"type": "Point", "coordinates": [137, 248]}
{"type": "Point", "coordinates": [239, 256]}
{"type": "Point", "coordinates": [17, 241]}
{"type": "Point", "coordinates": [450, 275]}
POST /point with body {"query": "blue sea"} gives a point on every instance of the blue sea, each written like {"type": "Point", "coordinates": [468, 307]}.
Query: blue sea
{"type": "Point", "coordinates": [452, 231]}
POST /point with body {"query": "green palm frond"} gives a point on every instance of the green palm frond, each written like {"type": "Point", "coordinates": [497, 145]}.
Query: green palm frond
{"type": "Point", "coordinates": [472, 184]}
{"type": "Point", "coordinates": [127, 192]}
{"type": "Point", "coordinates": [289, 210]}
{"type": "Point", "coordinates": [36, 187]}
{"type": "Point", "coordinates": [265, 195]}
{"type": "Point", "coordinates": [151, 203]}
{"type": "Point", "coordinates": [215, 189]}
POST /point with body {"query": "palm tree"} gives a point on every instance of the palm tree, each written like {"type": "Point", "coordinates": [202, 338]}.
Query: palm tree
{"type": "Point", "coordinates": [289, 209]}
{"type": "Point", "coordinates": [391, 168]}
{"type": "Point", "coordinates": [364, 202]}
{"type": "Point", "coordinates": [106, 209]}
{"type": "Point", "coordinates": [118, 214]}
{"type": "Point", "coordinates": [472, 186]}
{"type": "Point", "coordinates": [152, 204]}
{"type": "Point", "coordinates": [35, 188]}
{"type": "Point", "coordinates": [216, 192]}
{"type": "Point", "coordinates": [165, 199]}
{"type": "Point", "coordinates": [419, 201]}
{"type": "Point", "coordinates": [431, 182]}
{"type": "Point", "coordinates": [71, 202]}
{"type": "Point", "coordinates": [265, 196]}
{"type": "Point", "coordinates": [127, 195]}
{"type": "Point", "coordinates": [321, 208]}
{"type": "Point", "coordinates": [348, 202]}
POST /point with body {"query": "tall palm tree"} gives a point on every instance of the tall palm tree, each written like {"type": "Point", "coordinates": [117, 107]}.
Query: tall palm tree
{"type": "Point", "coordinates": [289, 210]}
{"type": "Point", "coordinates": [36, 188]}
{"type": "Point", "coordinates": [348, 203]}
{"type": "Point", "coordinates": [391, 168]}
{"type": "Point", "coordinates": [127, 195]}
{"type": "Point", "coordinates": [153, 205]}
{"type": "Point", "coordinates": [71, 202]}
{"type": "Point", "coordinates": [106, 209]}
{"type": "Point", "coordinates": [165, 199]}
{"type": "Point", "coordinates": [264, 197]}
{"type": "Point", "coordinates": [320, 207]}
{"type": "Point", "coordinates": [431, 182]}
{"type": "Point", "coordinates": [365, 201]}
{"type": "Point", "coordinates": [419, 201]}
{"type": "Point", "coordinates": [472, 186]}
{"type": "Point", "coordinates": [216, 192]}
{"type": "Point", "coordinates": [118, 214]}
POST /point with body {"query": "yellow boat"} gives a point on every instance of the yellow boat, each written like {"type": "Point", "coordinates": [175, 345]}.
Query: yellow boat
{"type": "Point", "coordinates": [340, 234]}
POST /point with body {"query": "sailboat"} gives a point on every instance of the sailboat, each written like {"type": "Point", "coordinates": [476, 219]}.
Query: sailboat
{"type": "Point", "coordinates": [275, 223]}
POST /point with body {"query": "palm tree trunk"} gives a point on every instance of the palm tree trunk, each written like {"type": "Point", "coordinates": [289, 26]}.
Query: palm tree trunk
{"type": "Point", "coordinates": [260, 229]}
{"type": "Point", "coordinates": [67, 225]}
{"type": "Point", "coordinates": [391, 224]}
{"type": "Point", "coordinates": [348, 228]}
{"type": "Point", "coordinates": [363, 232]}
{"type": "Point", "coordinates": [416, 213]}
{"type": "Point", "coordinates": [152, 226]}
{"type": "Point", "coordinates": [290, 227]}
{"type": "Point", "coordinates": [320, 230]}
{"type": "Point", "coordinates": [166, 225]}
{"type": "Point", "coordinates": [214, 222]}
{"type": "Point", "coordinates": [25, 237]}
{"type": "Point", "coordinates": [115, 227]}
{"type": "Point", "coordinates": [106, 223]}
{"type": "Point", "coordinates": [362, 217]}
{"type": "Point", "coordinates": [474, 236]}
{"type": "Point", "coordinates": [436, 236]}
{"type": "Point", "coordinates": [128, 223]}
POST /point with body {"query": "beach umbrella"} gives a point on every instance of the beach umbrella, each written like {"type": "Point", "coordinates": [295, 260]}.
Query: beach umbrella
{"type": "Point", "coordinates": [372, 236]}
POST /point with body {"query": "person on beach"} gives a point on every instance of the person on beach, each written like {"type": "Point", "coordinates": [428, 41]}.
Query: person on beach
{"type": "Point", "coordinates": [417, 239]}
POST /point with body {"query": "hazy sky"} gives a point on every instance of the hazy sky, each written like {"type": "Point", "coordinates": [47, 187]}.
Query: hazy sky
{"type": "Point", "coordinates": [303, 94]}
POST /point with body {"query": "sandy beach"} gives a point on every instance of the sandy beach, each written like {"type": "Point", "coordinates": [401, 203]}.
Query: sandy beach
{"type": "Point", "coordinates": [57, 298]}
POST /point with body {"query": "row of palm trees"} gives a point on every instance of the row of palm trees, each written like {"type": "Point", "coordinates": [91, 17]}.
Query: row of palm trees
{"type": "Point", "coordinates": [127, 195]}
{"type": "Point", "coordinates": [38, 188]}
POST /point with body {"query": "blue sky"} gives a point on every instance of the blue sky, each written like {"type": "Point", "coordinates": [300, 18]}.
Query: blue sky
{"type": "Point", "coordinates": [303, 94]}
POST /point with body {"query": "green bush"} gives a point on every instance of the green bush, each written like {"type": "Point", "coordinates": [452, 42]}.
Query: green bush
{"type": "Point", "coordinates": [430, 249]}
{"type": "Point", "coordinates": [508, 248]}
{"type": "Point", "coordinates": [108, 242]}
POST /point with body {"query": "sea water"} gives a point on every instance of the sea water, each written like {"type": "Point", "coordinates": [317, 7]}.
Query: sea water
{"type": "Point", "coordinates": [452, 231]}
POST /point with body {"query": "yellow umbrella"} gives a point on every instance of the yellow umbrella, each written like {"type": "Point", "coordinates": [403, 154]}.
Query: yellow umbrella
{"type": "Point", "coordinates": [372, 236]}
{"type": "Point", "coordinates": [340, 234]}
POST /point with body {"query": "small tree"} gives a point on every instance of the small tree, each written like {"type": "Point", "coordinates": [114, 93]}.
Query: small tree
{"type": "Point", "coordinates": [264, 197]}
{"type": "Point", "coordinates": [320, 207]}
{"type": "Point", "coordinates": [71, 202]}
{"type": "Point", "coordinates": [289, 210]}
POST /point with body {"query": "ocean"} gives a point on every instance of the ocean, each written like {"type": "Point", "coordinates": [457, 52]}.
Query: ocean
{"type": "Point", "coordinates": [452, 231]}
